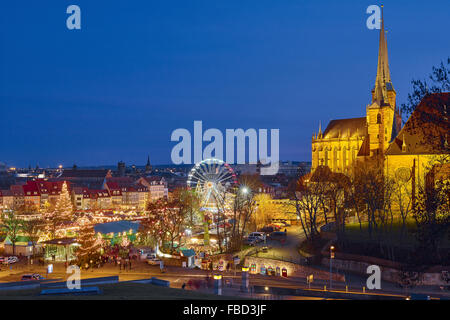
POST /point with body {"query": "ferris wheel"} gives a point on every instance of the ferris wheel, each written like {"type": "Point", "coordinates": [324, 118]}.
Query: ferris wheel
{"type": "Point", "coordinates": [211, 179]}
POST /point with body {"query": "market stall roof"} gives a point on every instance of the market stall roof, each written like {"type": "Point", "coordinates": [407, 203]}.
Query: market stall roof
{"type": "Point", "coordinates": [187, 252]}
{"type": "Point", "coordinates": [20, 241]}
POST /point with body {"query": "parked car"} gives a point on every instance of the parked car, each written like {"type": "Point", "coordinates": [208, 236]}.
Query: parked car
{"type": "Point", "coordinates": [254, 238]}
{"type": "Point", "coordinates": [251, 241]}
{"type": "Point", "coordinates": [276, 226]}
{"type": "Point", "coordinates": [30, 277]}
{"type": "Point", "coordinates": [258, 236]}
{"type": "Point", "coordinates": [278, 235]}
{"type": "Point", "coordinates": [9, 260]}
{"type": "Point", "coordinates": [12, 259]}
{"type": "Point", "coordinates": [147, 255]}
{"type": "Point", "coordinates": [267, 229]}
{"type": "Point", "coordinates": [153, 260]}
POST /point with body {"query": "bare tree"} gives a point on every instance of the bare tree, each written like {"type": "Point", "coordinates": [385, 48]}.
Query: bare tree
{"type": "Point", "coordinates": [243, 209]}
{"type": "Point", "coordinates": [32, 229]}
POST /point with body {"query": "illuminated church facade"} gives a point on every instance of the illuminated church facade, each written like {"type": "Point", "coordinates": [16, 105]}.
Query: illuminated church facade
{"type": "Point", "coordinates": [409, 154]}
{"type": "Point", "coordinates": [344, 141]}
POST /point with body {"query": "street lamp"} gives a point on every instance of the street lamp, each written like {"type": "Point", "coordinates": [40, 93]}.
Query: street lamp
{"type": "Point", "coordinates": [244, 190]}
{"type": "Point", "coordinates": [218, 284]}
{"type": "Point", "coordinates": [245, 279]}
{"type": "Point", "coordinates": [331, 263]}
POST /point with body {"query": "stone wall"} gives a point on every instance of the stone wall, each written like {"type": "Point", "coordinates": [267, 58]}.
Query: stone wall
{"type": "Point", "coordinates": [388, 273]}
{"type": "Point", "coordinates": [293, 270]}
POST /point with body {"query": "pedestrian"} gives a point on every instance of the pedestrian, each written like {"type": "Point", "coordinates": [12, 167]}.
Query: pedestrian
{"type": "Point", "coordinates": [285, 230]}
{"type": "Point", "coordinates": [183, 286]}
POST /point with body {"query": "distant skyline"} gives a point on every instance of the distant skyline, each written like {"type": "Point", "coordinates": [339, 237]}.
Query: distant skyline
{"type": "Point", "coordinates": [137, 70]}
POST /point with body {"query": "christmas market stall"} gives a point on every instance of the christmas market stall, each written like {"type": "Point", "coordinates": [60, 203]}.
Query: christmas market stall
{"type": "Point", "coordinates": [62, 249]}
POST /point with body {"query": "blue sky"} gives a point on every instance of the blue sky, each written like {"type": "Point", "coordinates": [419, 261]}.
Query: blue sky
{"type": "Point", "coordinates": [137, 70]}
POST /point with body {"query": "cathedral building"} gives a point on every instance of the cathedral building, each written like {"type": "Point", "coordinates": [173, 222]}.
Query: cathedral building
{"type": "Point", "coordinates": [345, 141]}
{"type": "Point", "coordinates": [413, 154]}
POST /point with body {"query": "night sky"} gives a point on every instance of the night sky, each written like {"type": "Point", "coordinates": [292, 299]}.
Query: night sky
{"type": "Point", "coordinates": [137, 70]}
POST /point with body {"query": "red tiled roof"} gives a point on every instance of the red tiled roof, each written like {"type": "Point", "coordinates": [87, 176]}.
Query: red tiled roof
{"type": "Point", "coordinates": [426, 129]}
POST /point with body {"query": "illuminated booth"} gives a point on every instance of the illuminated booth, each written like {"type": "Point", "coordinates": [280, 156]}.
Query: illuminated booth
{"type": "Point", "coordinates": [62, 249]}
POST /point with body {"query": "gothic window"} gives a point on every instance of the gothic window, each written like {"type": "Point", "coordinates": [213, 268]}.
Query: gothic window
{"type": "Point", "coordinates": [338, 158]}
{"type": "Point", "coordinates": [335, 159]}
{"type": "Point", "coordinates": [326, 157]}
{"type": "Point", "coordinates": [379, 118]}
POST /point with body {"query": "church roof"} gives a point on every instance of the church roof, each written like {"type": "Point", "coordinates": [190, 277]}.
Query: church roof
{"type": "Point", "coordinates": [345, 128]}
{"type": "Point", "coordinates": [364, 151]}
{"type": "Point", "coordinates": [383, 80]}
{"type": "Point", "coordinates": [426, 130]}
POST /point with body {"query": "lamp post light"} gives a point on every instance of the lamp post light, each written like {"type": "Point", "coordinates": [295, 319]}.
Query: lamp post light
{"type": "Point", "coordinates": [331, 263]}
{"type": "Point", "coordinates": [245, 279]}
{"type": "Point", "coordinates": [218, 284]}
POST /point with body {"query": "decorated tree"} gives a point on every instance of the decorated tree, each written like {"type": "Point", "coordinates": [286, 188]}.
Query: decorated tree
{"type": "Point", "coordinates": [125, 241]}
{"type": "Point", "coordinates": [165, 222]}
{"type": "Point", "coordinates": [89, 250]}
{"type": "Point", "coordinates": [64, 208]}
{"type": "Point", "coordinates": [11, 226]}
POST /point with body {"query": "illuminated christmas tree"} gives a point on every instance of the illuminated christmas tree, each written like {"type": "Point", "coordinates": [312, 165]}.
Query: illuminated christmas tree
{"type": "Point", "coordinates": [64, 208]}
{"type": "Point", "coordinates": [125, 241]}
{"type": "Point", "coordinates": [90, 245]}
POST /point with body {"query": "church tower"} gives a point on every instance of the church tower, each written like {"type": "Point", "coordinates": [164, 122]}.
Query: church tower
{"type": "Point", "coordinates": [382, 115]}
{"type": "Point", "coordinates": [148, 166]}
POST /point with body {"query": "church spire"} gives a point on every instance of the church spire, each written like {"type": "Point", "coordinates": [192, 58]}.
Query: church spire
{"type": "Point", "coordinates": [148, 166]}
{"type": "Point", "coordinates": [320, 130]}
{"type": "Point", "coordinates": [383, 79]}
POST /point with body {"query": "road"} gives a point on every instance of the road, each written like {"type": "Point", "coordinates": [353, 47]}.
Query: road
{"type": "Point", "coordinates": [177, 276]}
{"type": "Point", "coordinates": [287, 251]}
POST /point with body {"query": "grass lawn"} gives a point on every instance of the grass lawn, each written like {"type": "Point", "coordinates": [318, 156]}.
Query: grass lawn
{"type": "Point", "coordinates": [312, 249]}
{"type": "Point", "coordinates": [118, 291]}
{"type": "Point", "coordinates": [353, 233]}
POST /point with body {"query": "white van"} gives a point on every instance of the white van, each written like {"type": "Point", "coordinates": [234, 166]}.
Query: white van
{"type": "Point", "coordinates": [145, 253]}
